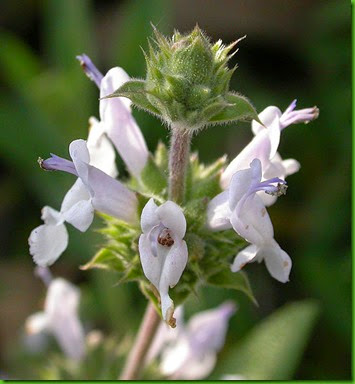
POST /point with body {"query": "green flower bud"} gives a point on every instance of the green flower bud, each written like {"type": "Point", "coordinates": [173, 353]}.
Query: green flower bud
{"type": "Point", "coordinates": [187, 82]}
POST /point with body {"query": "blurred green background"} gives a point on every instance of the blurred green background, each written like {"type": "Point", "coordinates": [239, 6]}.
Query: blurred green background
{"type": "Point", "coordinates": [294, 49]}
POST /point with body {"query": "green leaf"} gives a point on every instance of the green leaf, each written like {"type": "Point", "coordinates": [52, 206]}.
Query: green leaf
{"type": "Point", "coordinates": [273, 349]}
{"type": "Point", "coordinates": [161, 157]}
{"type": "Point", "coordinates": [153, 178]}
{"type": "Point", "coordinates": [239, 108]}
{"type": "Point", "coordinates": [105, 259]}
{"type": "Point", "coordinates": [135, 91]}
{"type": "Point", "coordinates": [227, 279]}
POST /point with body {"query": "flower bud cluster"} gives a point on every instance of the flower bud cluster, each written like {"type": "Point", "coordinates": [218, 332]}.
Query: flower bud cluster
{"type": "Point", "coordinates": [187, 82]}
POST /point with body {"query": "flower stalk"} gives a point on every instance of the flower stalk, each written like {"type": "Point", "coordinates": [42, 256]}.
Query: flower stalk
{"type": "Point", "coordinates": [136, 357]}
{"type": "Point", "coordinates": [178, 159]}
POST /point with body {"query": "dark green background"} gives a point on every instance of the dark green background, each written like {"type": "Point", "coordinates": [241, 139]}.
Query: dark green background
{"type": "Point", "coordinates": [294, 49]}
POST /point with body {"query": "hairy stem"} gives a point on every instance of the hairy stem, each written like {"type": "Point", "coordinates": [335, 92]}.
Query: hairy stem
{"type": "Point", "coordinates": [178, 160]}
{"type": "Point", "coordinates": [136, 357]}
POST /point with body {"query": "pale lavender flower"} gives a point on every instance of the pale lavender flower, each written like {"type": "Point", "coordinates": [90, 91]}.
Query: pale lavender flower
{"type": "Point", "coordinates": [240, 207]}
{"type": "Point", "coordinates": [163, 252]}
{"type": "Point", "coordinates": [189, 352]}
{"type": "Point", "coordinates": [116, 116]}
{"type": "Point", "coordinates": [60, 318]}
{"type": "Point", "coordinates": [93, 190]}
{"type": "Point", "coordinates": [265, 144]}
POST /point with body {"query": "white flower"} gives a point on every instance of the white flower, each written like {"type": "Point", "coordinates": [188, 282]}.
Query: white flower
{"type": "Point", "coordinates": [93, 190]}
{"type": "Point", "coordinates": [240, 207]}
{"type": "Point", "coordinates": [60, 318]}
{"type": "Point", "coordinates": [265, 144]}
{"type": "Point", "coordinates": [163, 252]}
{"type": "Point", "coordinates": [190, 352]}
{"type": "Point", "coordinates": [116, 116]}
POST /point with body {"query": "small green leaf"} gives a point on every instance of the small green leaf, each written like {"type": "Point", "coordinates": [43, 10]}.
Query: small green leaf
{"type": "Point", "coordinates": [135, 91]}
{"type": "Point", "coordinates": [105, 259]}
{"type": "Point", "coordinates": [227, 279]}
{"type": "Point", "coordinates": [153, 178]}
{"type": "Point", "coordinates": [195, 213]}
{"type": "Point", "coordinates": [273, 349]}
{"type": "Point", "coordinates": [161, 157]}
{"type": "Point", "coordinates": [238, 108]}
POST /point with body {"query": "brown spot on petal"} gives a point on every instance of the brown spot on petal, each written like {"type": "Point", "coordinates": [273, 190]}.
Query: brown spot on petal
{"type": "Point", "coordinates": [285, 264]}
{"type": "Point", "coordinates": [247, 227]}
{"type": "Point", "coordinates": [263, 212]}
{"type": "Point", "coordinates": [165, 238]}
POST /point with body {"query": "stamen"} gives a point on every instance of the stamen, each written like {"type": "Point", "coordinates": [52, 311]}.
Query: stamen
{"type": "Point", "coordinates": [56, 163]}
{"type": "Point", "coordinates": [159, 234]}
{"type": "Point", "coordinates": [165, 239]}
{"type": "Point", "coordinates": [280, 190]}
{"type": "Point", "coordinates": [90, 70]}
{"type": "Point", "coordinates": [291, 116]}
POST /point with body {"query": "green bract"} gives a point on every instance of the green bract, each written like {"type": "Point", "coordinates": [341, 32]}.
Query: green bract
{"type": "Point", "coordinates": [210, 254]}
{"type": "Point", "coordinates": [187, 82]}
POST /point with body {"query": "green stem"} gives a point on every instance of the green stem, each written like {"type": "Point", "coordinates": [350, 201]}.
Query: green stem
{"type": "Point", "coordinates": [178, 161]}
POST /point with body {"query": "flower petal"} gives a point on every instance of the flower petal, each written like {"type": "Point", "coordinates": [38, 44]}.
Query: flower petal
{"type": "Point", "coordinates": [76, 193]}
{"type": "Point", "coordinates": [172, 217]}
{"type": "Point", "coordinates": [267, 117]}
{"type": "Point", "coordinates": [51, 216]}
{"type": "Point", "coordinates": [102, 153]}
{"type": "Point", "coordinates": [80, 215]}
{"type": "Point", "coordinates": [173, 267]}
{"type": "Point", "coordinates": [277, 262]}
{"type": "Point", "coordinates": [253, 222]}
{"type": "Point", "coordinates": [274, 136]}
{"type": "Point", "coordinates": [149, 217]}
{"type": "Point", "coordinates": [258, 148]}
{"type": "Point", "coordinates": [47, 242]}
{"type": "Point", "coordinates": [152, 265]}
{"type": "Point", "coordinates": [111, 197]}
{"type": "Point", "coordinates": [36, 323]}
{"type": "Point", "coordinates": [245, 256]}
{"type": "Point", "coordinates": [218, 212]}
{"type": "Point", "coordinates": [61, 308]}
{"type": "Point", "coordinates": [291, 166]}
{"type": "Point", "coordinates": [207, 330]}
{"type": "Point", "coordinates": [120, 125]}
{"type": "Point", "coordinates": [239, 185]}
{"type": "Point", "coordinates": [80, 155]}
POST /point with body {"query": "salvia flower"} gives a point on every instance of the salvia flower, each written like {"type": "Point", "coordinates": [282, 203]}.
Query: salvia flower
{"type": "Point", "coordinates": [192, 353]}
{"type": "Point", "coordinates": [116, 118]}
{"type": "Point", "coordinates": [60, 318]}
{"type": "Point", "coordinates": [94, 189]}
{"type": "Point", "coordinates": [103, 192]}
{"type": "Point", "coordinates": [163, 252]}
{"type": "Point", "coordinates": [241, 208]}
{"type": "Point", "coordinates": [265, 143]}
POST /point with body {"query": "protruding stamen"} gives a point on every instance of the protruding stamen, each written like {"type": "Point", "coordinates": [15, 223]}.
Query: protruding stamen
{"type": "Point", "coordinates": [280, 190]}
{"type": "Point", "coordinates": [268, 186]}
{"type": "Point", "coordinates": [90, 70]}
{"type": "Point", "coordinates": [56, 163]}
{"type": "Point", "coordinates": [292, 116]}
